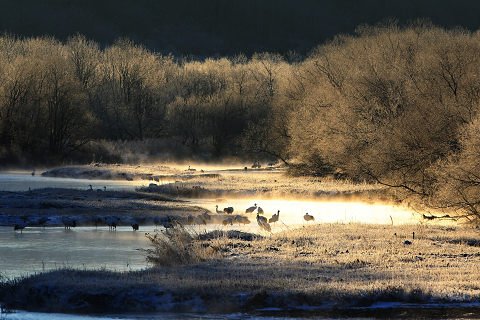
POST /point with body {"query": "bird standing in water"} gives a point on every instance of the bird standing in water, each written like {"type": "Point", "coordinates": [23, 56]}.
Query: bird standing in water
{"type": "Point", "coordinates": [20, 226]}
{"type": "Point", "coordinates": [275, 217]}
{"type": "Point", "coordinates": [228, 210]}
{"type": "Point", "coordinates": [308, 217]}
{"type": "Point", "coordinates": [262, 222]}
{"type": "Point", "coordinates": [251, 209]}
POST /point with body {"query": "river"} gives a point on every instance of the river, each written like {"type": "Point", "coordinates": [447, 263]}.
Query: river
{"type": "Point", "coordinates": [38, 249]}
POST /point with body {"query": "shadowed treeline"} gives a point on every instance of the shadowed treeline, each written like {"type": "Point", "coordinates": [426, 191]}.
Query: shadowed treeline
{"type": "Point", "coordinates": [393, 105]}
{"type": "Point", "coordinates": [205, 28]}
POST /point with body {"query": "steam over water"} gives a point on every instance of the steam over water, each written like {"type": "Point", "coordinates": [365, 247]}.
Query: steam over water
{"type": "Point", "coordinates": [292, 211]}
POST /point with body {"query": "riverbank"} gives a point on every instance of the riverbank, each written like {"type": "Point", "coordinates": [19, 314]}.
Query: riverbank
{"type": "Point", "coordinates": [206, 181]}
{"type": "Point", "coordinates": [55, 206]}
{"type": "Point", "coordinates": [327, 266]}
{"type": "Point", "coordinates": [105, 171]}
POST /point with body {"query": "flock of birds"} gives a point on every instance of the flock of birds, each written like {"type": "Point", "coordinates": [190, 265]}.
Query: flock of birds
{"type": "Point", "coordinates": [69, 222]}
{"type": "Point", "coordinates": [262, 221]}
{"type": "Point", "coordinates": [168, 222]}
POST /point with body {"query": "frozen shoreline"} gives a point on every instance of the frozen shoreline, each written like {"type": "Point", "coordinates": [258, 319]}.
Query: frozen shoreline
{"type": "Point", "coordinates": [322, 267]}
{"type": "Point", "coordinates": [319, 267]}
{"type": "Point", "coordinates": [50, 207]}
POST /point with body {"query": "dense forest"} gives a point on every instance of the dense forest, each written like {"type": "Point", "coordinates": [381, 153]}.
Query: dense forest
{"type": "Point", "coordinates": [397, 106]}
{"type": "Point", "coordinates": [57, 99]}
{"type": "Point", "coordinates": [221, 27]}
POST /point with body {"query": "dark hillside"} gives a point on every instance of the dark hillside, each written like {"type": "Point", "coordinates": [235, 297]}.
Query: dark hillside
{"type": "Point", "coordinates": [220, 26]}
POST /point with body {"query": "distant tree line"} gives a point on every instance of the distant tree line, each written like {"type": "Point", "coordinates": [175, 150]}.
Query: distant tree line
{"type": "Point", "coordinates": [56, 98]}
{"type": "Point", "coordinates": [397, 106]}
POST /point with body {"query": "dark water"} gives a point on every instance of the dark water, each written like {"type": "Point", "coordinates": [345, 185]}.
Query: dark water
{"type": "Point", "coordinates": [39, 249]}
{"type": "Point", "coordinates": [446, 312]}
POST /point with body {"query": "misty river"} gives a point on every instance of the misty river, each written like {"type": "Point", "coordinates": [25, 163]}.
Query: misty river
{"type": "Point", "coordinates": [39, 249]}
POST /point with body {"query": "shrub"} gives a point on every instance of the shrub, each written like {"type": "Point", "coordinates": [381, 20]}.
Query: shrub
{"type": "Point", "coordinates": [178, 246]}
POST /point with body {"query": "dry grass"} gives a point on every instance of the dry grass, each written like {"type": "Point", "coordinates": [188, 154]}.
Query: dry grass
{"type": "Point", "coordinates": [220, 180]}
{"type": "Point", "coordinates": [321, 265]}
{"type": "Point", "coordinates": [360, 259]}
{"type": "Point", "coordinates": [176, 246]}
{"type": "Point", "coordinates": [264, 183]}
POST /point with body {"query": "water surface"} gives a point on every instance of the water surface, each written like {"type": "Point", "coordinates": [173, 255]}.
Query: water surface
{"type": "Point", "coordinates": [38, 249]}
{"type": "Point", "coordinates": [405, 312]}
